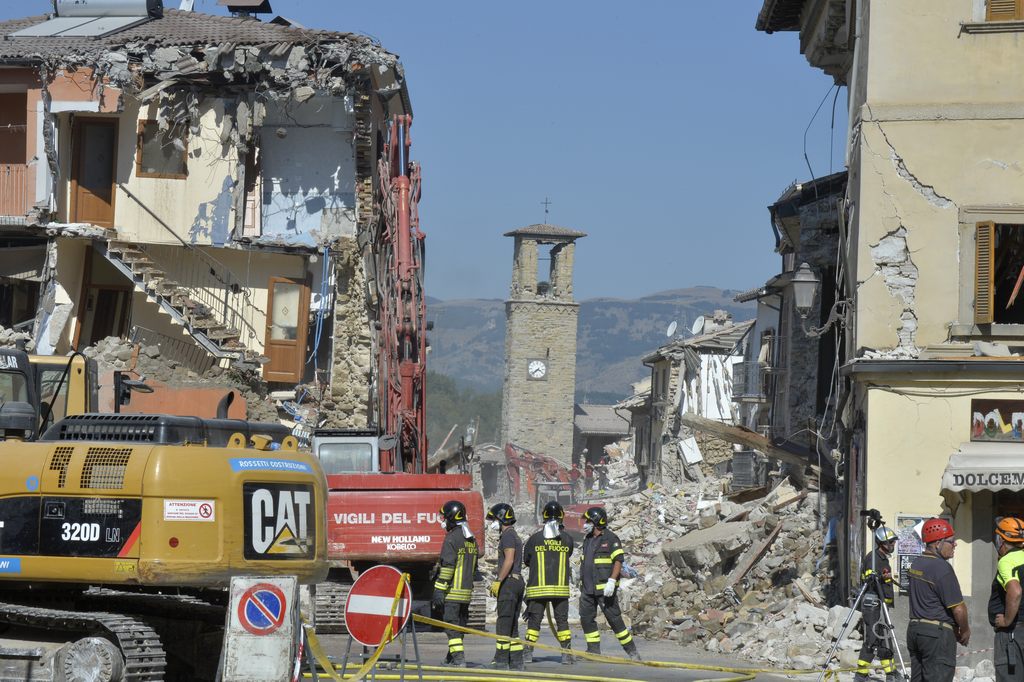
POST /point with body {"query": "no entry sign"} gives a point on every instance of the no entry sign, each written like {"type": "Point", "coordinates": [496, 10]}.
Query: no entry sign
{"type": "Point", "coordinates": [370, 602]}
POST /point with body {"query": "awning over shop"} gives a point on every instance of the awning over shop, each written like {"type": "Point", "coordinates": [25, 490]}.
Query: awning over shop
{"type": "Point", "coordinates": [985, 466]}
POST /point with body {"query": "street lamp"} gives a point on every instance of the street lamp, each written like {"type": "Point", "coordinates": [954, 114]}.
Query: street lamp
{"type": "Point", "coordinates": [805, 286]}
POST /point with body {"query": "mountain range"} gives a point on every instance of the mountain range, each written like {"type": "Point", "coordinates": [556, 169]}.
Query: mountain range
{"type": "Point", "coordinates": [468, 339]}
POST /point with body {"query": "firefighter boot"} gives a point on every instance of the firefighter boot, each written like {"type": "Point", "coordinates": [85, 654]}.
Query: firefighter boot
{"type": "Point", "coordinates": [594, 648]}
{"type": "Point", "coordinates": [528, 654]}
{"type": "Point", "coordinates": [458, 659]}
{"type": "Point", "coordinates": [894, 677]}
{"type": "Point", "coordinates": [501, 660]}
{"type": "Point", "coordinates": [861, 677]}
{"type": "Point", "coordinates": [567, 657]}
{"type": "Point", "coordinates": [515, 660]}
{"type": "Point", "coordinates": [631, 651]}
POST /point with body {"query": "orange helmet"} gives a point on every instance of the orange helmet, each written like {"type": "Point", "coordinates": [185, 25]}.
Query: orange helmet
{"type": "Point", "coordinates": [1010, 529]}
{"type": "Point", "coordinates": [935, 530]}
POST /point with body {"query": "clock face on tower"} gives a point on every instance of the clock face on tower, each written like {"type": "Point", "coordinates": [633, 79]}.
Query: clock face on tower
{"type": "Point", "coordinates": [537, 369]}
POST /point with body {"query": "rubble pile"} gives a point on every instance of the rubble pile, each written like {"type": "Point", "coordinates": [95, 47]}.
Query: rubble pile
{"type": "Point", "coordinates": [985, 671]}
{"type": "Point", "coordinates": [113, 353]}
{"type": "Point", "coordinates": [10, 338]}
{"type": "Point", "coordinates": [745, 574]}
{"type": "Point", "coordinates": [747, 579]}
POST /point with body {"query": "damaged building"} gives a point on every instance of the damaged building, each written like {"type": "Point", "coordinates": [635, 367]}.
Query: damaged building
{"type": "Point", "coordinates": [688, 375]}
{"type": "Point", "coordinates": [786, 385]}
{"type": "Point", "coordinates": [202, 182]}
{"type": "Point", "coordinates": [929, 291]}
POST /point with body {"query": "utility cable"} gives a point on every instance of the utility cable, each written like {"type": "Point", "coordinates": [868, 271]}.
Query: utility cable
{"type": "Point", "coordinates": [806, 130]}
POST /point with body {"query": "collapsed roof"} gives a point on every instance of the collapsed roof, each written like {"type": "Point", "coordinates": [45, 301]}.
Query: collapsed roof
{"type": "Point", "coordinates": [206, 48]}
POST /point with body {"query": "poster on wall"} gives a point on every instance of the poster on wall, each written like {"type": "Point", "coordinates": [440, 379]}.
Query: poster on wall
{"type": "Point", "coordinates": [908, 545]}
{"type": "Point", "coordinates": [997, 420]}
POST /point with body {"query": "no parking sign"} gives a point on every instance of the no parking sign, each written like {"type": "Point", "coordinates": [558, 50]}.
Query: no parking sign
{"type": "Point", "coordinates": [262, 609]}
{"type": "Point", "coordinates": [259, 645]}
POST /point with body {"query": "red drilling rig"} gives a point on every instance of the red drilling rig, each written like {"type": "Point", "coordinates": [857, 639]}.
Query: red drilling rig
{"type": "Point", "coordinates": [382, 504]}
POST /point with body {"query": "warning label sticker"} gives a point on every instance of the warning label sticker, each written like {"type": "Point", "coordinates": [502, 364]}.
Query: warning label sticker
{"type": "Point", "coordinates": [189, 510]}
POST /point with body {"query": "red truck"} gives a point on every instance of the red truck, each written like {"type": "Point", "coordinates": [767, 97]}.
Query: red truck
{"type": "Point", "coordinates": [382, 504]}
{"type": "Point", "coordinates": [375, 517]}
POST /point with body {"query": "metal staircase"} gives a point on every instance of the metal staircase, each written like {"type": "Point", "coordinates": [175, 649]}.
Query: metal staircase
{"type": "Point", "coordinates": [193, 288]}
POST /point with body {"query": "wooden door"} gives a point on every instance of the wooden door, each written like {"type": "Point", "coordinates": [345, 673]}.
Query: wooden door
{"type": "Point", "coordinates": [287, 326]}
{"type": "Point", "coordinates": [93, 172]}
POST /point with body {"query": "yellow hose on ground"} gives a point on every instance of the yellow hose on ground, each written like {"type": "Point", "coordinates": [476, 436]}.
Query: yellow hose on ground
{"type": "Point", "coordinates": [601, 658]}
{"type": "Point", "coordinates": [511, 674]}
{"type": "Point", "coordinates": [514, 676]}
{"type": "Point", "coordinates": [470, 676]}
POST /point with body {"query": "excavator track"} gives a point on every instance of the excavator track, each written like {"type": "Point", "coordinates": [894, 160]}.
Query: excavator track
{"type": "Point", "coordinates": [478, 607]}
{"type": "Point", "coordinates": [145, 658]}
{"type": "Point", "coordinates": [330, 607]}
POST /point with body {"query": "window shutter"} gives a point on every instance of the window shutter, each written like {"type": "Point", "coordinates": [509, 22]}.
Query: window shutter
{"type": "Point", "coordinates": [984, 266]}
{"type": "Point", "coordinates": [1003, 10]}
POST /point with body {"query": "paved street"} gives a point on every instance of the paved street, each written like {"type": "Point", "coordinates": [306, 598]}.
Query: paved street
{"type": "Point", "coordinates": [479, 652]}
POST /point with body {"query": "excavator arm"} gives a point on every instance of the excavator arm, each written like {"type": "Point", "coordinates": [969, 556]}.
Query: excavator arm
{"type": "Point", "coordinates": [401, 307]}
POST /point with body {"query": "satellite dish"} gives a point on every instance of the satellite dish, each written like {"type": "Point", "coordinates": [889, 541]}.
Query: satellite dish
{"type": "Point", "coordinates": [670, 332]}
{"type": "Point", "coordinates": [698, 325]}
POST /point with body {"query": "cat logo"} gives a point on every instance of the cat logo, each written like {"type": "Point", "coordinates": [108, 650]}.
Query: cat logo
{"type": "Point", "coordinates": [279, 521]}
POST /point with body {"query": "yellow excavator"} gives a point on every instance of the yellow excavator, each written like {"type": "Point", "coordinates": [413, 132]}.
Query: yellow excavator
{"type": "Point", "coordinates": [120, 533]}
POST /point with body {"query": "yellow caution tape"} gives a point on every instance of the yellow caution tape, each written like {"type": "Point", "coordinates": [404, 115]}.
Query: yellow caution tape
{"type": "Point", "coordinates": [499, 676]}
{"type": "Point", "coordinates": [318, 653]}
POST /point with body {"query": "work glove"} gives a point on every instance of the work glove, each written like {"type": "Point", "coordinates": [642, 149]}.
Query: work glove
{"type": "Point", "coordinates": [437, 602]}
{"type": "Point", "coordinates": [495, 587]}
{"type": "Point", "coordinates": [609, 588]}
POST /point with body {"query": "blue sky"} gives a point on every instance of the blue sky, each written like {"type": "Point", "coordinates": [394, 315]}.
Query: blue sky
{"type": "Point", "coordinates": [662, 129]}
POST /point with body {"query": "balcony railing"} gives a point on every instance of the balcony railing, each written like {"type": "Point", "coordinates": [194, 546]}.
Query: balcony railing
{"type": "Point", "coordinates": [14, 194]}
{"type": "Point", "coordinates": [747, 382]}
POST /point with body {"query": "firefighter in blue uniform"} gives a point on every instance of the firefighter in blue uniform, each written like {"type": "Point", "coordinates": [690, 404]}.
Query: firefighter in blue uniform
{"type": "Point", "coordinates": [602, 566]}
{"type": "Point", "coordinates": [507, 588]}
{"type": "Point", "coordinates": [876, 563]}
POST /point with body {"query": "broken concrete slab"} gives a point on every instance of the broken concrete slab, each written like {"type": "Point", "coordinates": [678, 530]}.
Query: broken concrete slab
{"type": "Point", "coordinates": [707, 548]}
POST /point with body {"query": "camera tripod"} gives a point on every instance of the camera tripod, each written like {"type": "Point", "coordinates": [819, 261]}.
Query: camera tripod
{"type": "Point", "coordinates": [871, 591]}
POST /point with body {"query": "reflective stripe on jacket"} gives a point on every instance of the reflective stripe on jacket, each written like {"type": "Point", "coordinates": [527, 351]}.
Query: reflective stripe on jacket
{"type": "Point", "coordinates": [608, 550]}
{"type": "Point", "coordinates": [548, 560]}
{"type": "Point", "coordinates": [458, 567]}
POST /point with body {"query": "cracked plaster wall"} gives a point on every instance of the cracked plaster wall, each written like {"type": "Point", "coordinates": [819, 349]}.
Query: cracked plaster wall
{"type": "Point", "coordinates": [926, 148]}
{"type": "Point", "coordinates": [913, 177]}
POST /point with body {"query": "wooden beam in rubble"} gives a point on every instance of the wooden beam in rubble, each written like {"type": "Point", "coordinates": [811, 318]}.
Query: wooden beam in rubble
{"type": "Point", "coordinates": [742, 436]}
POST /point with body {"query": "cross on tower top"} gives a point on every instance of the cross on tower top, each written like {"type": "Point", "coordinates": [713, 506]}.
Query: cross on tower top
{"type": "Point", "coordinates": [545, 204]}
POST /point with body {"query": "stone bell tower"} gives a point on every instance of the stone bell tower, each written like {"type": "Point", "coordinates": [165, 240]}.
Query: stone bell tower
{"type": "Point", "coordinates": [540, 342]}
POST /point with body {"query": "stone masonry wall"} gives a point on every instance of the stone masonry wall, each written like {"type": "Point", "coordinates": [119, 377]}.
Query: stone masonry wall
{"type": "Point", "coordinates": [538, 415]}
{"type": "Point", "coordinates": [819, 241]}
{"type": "Point", "coordinates": [352, 364]}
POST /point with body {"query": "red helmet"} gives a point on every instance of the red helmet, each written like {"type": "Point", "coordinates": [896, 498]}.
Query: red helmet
{"type": "Point", "coordinates": [935, 530]}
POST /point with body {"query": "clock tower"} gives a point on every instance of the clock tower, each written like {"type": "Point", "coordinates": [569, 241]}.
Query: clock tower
{"type": "Point", "coordinates": [540, 342]}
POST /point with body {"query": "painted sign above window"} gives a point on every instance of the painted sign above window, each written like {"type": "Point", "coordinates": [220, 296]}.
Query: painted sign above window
{"type": "Point", "coordinates": [997, 420]}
